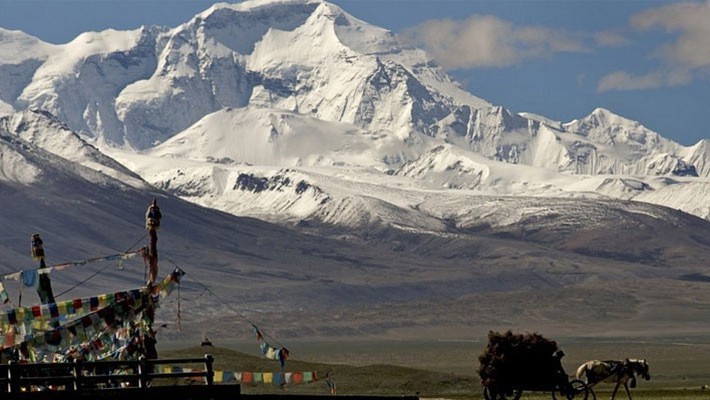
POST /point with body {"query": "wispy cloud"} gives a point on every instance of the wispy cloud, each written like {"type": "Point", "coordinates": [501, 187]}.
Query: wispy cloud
{"type": "Point", "coordinates": [488, 41]}
{"type": "Point", "coordinates": [691, 23]}
{"type": "Point", "coordinates": [622, 80]}
{"type": "Point", "coordinates": [684, 57]}
{"type": "Point", "coordinates": [610, 39]}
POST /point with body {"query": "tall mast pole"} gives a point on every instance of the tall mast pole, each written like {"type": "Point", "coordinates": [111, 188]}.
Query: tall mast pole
{"type": "Point", "coordinates": [152, 224]}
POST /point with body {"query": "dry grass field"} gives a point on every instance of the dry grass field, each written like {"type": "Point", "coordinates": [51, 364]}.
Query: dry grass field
{"type": "Point", "coordinates": [447, 369]}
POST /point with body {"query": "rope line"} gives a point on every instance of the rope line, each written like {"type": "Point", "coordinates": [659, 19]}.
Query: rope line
{"type": "Point", "coordinates": [225, 303]}
{"type": "Point", "coordinates": [191, 300]}
{"type": "Point", "coordinates": [84, 281]}
{"type": "Point", "coordinates": [99, 271]}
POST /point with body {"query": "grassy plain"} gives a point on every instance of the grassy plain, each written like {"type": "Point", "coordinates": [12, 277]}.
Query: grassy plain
{"type": "Point", "coordinates": [447, 369]}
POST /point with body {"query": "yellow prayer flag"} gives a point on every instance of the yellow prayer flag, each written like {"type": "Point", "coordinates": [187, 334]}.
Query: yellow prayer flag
{"type": "Point", "coordinates": [268, 377]}
{"type": "Point", "coordinates": [218, 376]}
{"type": "Point", "coordinates": [20, 314]}
{"type": "Point", "coordinates": [62, 308]}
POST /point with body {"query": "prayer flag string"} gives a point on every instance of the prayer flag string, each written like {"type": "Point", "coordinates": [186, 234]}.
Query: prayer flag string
{"type": "Point", "coordinates": [28, 274]}
{"type": "Point", "coordinates": [98, 327]}
{"type": "Point", "coordinates": [272, 353]}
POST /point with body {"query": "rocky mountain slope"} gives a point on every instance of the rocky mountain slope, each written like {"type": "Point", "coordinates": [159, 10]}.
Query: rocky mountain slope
{"type": "Point", "coordinates": [369, 281]}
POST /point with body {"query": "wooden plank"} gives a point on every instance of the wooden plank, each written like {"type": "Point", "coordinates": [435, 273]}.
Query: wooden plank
{"type": "Point", "coordinates": [321, 397]}
{"type": "Point", "coordinates": [202, 392]}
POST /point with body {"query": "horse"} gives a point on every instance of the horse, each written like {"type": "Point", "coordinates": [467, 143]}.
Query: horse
{"type": "Point", "coordinates": [613, 371]}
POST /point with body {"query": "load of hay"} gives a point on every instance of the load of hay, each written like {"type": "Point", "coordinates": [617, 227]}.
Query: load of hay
{"type": "Point", "coordinates": [518, 361]}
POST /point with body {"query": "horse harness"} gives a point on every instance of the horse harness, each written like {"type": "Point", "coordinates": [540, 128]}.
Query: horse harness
{"type": "Point", "coordinates": [616, 368]}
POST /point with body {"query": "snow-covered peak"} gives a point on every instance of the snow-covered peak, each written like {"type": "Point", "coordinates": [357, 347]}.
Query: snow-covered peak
{"type": "Point", "coordinates": [47, 132]}
{"type": "Point", "coordinates": [240, 26]}
{"type": "Point", "coordinates": [258, 5]}
{"type": "Point", "coordinates": [604, 127]}
{"type": "Point", "coordinates": [602, 117]}
{"type": "Point", "coordinates": [602, 114]}
{"type": "Point", "coordinates": [87, 45]}
{"type": "Point", "coordinates": [17, 47]}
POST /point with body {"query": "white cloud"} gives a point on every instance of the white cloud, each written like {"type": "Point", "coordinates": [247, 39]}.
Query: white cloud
{"type": "Point", "coordinates": [488, 41]}
{"type": "Point", "coordinates": [610, 39]}
{"type": "Point", "coordinates": [685, 56]}
{"type": "Point", "coordinates": [691, 23]}
{"type": "Point", "coordinates": [623, 81]}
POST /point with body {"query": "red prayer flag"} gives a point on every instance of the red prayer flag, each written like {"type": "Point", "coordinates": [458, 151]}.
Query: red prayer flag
{"type": "Point", "coordinates": [297, 377]}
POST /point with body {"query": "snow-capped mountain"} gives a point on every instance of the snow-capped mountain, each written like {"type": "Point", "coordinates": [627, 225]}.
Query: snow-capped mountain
{"type": "Point", "coordinates": [46, 131]}
{"type": "Point", "coordinates": [141, 87]}
{"type": "Point", "coordinates": [308, 57]}
{"type": "Point", "coordinates": [382, 182]}
{"type": "Point", "coordinates": [302, 83]}
{"type": "Point", "coordinates": [312, 58]}
{"type": "Point", "coordinates": [22, 55]}
{"type": "Point", "coordinates": [601, 143]}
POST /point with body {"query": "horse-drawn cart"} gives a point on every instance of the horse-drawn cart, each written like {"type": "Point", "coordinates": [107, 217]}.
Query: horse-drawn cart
{"type": "Point", "coordinates": [514, 363]}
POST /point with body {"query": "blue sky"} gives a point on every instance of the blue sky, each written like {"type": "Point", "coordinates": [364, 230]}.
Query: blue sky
{"type": "Point", "coordinates": [647, 60]}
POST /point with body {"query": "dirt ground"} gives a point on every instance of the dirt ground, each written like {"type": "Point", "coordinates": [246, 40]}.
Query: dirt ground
{"type": "Point", "coordinates": [678, 365]}
{"type": "Point", "coordinates": [675, 362]}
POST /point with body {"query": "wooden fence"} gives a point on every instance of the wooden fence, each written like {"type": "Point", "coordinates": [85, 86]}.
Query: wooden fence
{"type": "Point", "coordinates": [132, 380]}
{"type": "Point", "coordinates": [91, 379]}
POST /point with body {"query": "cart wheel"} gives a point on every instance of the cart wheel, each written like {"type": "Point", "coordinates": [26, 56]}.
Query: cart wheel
{"type": "Point", "coordinates": [489, 394]}
{"type": "Point", "coordinates": [514, 394]}
{"type": "Point", "coordinates": [577, 390]}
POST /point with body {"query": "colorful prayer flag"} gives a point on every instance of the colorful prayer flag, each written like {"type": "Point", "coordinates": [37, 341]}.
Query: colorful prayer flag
{"type": "Point", "coordinates": [4, 297]}
{"type": "Point", "coordinates": [279, 378]}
